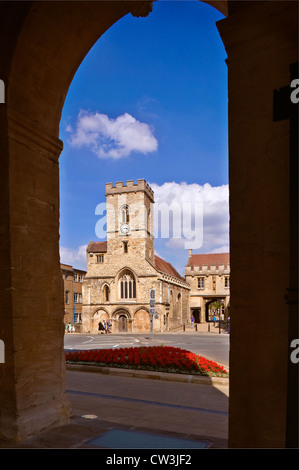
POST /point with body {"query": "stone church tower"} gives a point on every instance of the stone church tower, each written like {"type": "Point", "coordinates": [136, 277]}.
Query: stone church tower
{"type": "Point", "coordinates": [122, 270]}
{"type": "Point", "coordinates": [130, 220]}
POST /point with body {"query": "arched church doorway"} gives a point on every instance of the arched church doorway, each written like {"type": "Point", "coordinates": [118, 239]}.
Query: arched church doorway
{"type": "Point", "coordinates": [122, 323]}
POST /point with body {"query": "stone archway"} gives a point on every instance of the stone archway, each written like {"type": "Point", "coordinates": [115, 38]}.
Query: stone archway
{"type": "Point", "coordinates": [43, 45]}
{"type": "Point", "coordinates": [121, 321]}
{"type": "Point", "coordinates": [99, 316]}
{"type": "Point", "coordinates": [209, 315]}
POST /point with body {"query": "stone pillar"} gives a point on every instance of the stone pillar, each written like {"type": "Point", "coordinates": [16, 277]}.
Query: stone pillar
{"type": "Point", "coordinates": [32, 379]}
{"type": "Point", "coordinates": [261, 43]}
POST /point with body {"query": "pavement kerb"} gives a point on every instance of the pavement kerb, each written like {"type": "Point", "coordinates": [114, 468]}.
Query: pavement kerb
{"type": "Point", "coordinates": [144, 374]}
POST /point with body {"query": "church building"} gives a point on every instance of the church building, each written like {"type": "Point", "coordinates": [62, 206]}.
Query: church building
{"type": "Point", "coordinates": [126, 283]}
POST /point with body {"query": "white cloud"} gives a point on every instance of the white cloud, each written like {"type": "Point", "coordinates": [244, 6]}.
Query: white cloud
{"type": "Point", "coordinates": [74, 257]}
{"type": "Point", "coordinates": [198, 216]}
{"type": "Point", "coordinates": [112, 138]}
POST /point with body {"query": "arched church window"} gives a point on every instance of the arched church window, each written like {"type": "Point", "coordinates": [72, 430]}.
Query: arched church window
{"type": "Point", "coordinates": [124, 212]}
{"type": "Point", "coordinates": [106, 293]}
{"type": "Point", "coordinates": [127, 286]}
{"type": "Point", "coordinates": [149, 221]}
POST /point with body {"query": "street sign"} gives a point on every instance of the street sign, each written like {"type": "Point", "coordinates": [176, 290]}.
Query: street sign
{"type": "Point", "coordinates": [152, 301]}
{"type": "Point", "coordinates": [152, 294]}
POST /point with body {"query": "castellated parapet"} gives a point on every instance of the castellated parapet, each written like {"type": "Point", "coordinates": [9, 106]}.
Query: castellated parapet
{"type": "Point", "coordinates": [207, 269]}
{"type": "Point", "coordinates": [129, 187]}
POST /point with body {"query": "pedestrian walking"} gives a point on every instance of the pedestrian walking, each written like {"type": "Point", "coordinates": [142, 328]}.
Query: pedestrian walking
{"type": "Point", "coordinates": [101, 328]}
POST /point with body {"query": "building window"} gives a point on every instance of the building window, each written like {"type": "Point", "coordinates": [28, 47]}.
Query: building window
{"type": "Point", "coordinates": [106, 294]}
{"type": "Point", "coordinates": [67, 300]}
{"type": "Point", "coordinates": [125, 247]}
{"type": "Point", "coordinates": [201, 283]}
{"type": "Point", "coordinates": [77, 298]}
{"type": "Point", "coordinates": [179, 303]}
{"type": "Point", "coordinates": [149, 221]}
{"type": "Point", "coordinates": [226, 282]}
{"type": "Point", "coordinates": [100, 258]}
{"type": "Point", "coordinates": [78, 318]}
{"type": "Point", "coordinates": [125, 218]}
{"type": "Point", "coordinates": [127, 286]}
{"type": "Point", "coordinates": [76, 278]}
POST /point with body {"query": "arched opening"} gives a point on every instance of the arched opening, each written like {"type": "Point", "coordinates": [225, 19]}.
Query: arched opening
{"type": "Point", "coordinates": [46, 41]}
{"type": "Point", "coordinates": [99, 318]}
{"type": "Point", "coordinates": [121, 320]}
{"type": "Point", "coordinates": [106, 293]}
{"type": "Point", "coordinates": [122, 323]}
{"type": "Point", "coordinates": [125, 214]}
{"type": "Point", "coordinates": [214, 310]}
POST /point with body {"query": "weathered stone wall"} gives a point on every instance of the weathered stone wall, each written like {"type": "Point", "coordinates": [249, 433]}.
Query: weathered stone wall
{"type": "Point", "coordinates": [176, 313]}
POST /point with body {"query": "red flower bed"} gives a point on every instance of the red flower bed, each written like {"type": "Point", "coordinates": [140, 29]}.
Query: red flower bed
{"type": "Point", "coordinates": [157, 358]}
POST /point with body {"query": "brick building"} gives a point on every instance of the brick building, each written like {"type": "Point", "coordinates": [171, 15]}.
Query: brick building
{"type": "Point", "coordinates": [72, 282]}
{"type": "Point", "coordinates": [123, 270]}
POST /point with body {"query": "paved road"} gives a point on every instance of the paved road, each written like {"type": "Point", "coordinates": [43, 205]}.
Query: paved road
{"type": "Point", "coordinates": [212, 346]}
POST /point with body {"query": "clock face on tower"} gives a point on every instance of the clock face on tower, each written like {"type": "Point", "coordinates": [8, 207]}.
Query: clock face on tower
{"type": "Point", "coordinates": [124, 228]}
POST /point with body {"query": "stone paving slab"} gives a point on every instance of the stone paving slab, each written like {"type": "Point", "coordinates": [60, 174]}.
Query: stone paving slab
{"type": "Point", "coordinates": [181, 410]}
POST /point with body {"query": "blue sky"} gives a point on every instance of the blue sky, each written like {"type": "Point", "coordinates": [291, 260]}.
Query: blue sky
{"type": "Point", "coordinates": [149, 101]}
